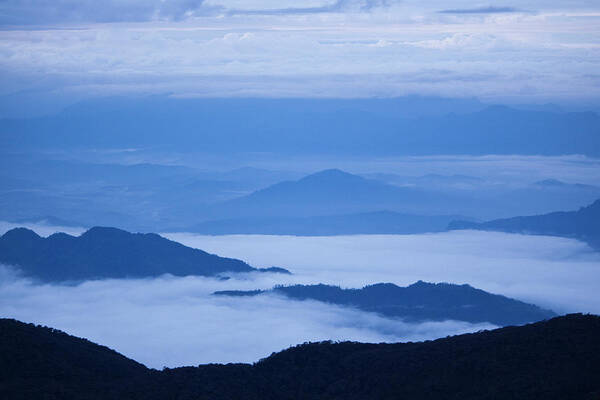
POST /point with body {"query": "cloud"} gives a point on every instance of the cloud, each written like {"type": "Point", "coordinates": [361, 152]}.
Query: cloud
{"type": "Point", "coordinates": [480, 10]}
{"type": "Point", "coordinates": [352, 54]}
{"type": "Point", "coordinates": [171, 321]}
{"type": "Point", "coordinates": [337, 6]}
{"type": "Point", "coordinates": [310, 48]}
{"type": "Point", "coordinates": [557, 273]}
{"type": "Point", "coordinates": [174, 321]}
{"type": "Point", "coordinates": [460, 41]}
{"type": "Point", "coordinates": [41, 12]}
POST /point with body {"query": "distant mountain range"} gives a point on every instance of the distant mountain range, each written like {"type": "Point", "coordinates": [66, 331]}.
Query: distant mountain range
{"type": "Point", "coordinates": [583, 224]}
{"type": "Point", "coordinates": [135, 197]}
{"type": "Point", "coordinates": [166, 198]}
{"type": "Point", "coordinates": [377, 127]}
{"type": "Point", "coordinates": [108, 253]}
{"type": "Point", "coordinates": [420, 301]}
{"type": "Point", "coordinates": [558, 359]}
{"type": "Point", "coordinates": [334, 202]}
{"type": "Point", "coordinates": [334, 192]}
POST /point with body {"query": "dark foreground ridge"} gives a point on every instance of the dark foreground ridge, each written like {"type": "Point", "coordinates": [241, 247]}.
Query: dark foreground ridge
{"type": "Point", "coordinates": [582, 224]}
{"type": "Point", "coordinates": [108, 253]}
{"type": "Point", "coordinates": [418, 302]}
{"type": "Point", "coordinates": [554, 359]}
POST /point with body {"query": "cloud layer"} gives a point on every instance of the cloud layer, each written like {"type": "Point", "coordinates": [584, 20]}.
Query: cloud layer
{"type": "Point", "coordinates": [336, 6]}
{"type": "Point", "coordinates": [172, 322]}
{"type": "Point", "coordinates": [343, 48]}
{"type": "Point", "coordinates": [40, 12]}
{"type": "Point", "coordinates": [480, 10]}
{"type": "Point", "coordinates": [44, 13]}
{"type": "Point", "coordinates": [558, 273]}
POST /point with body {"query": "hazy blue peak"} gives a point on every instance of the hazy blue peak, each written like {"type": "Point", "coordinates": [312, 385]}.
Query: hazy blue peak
{"type": "Point", "coordinates": [421, 283]}
{"type": "Point", "coordinates": [581, 224]}
{"type": "Point", "coordinates": [61, 236]}
{"type": "Point", "coordinates": [336, 178]}
{"type": "Point", "coordinates": [100, 229]}
{"type": "Point", "coordinates": [21, 234]}
{"type": "Point", "coordinates": [332, 174]}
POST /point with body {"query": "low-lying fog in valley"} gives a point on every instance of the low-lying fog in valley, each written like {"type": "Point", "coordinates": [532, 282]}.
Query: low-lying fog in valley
{"type": "Point", "coordinates": [174, 321]}
{"type": "Point", "coordinates": [557, 273]}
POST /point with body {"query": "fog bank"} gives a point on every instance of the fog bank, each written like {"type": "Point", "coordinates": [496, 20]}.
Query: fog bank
{"type": "Point", "coordinates": [169, 321]}
{"type": "Point", "coordinates": [557, 273]}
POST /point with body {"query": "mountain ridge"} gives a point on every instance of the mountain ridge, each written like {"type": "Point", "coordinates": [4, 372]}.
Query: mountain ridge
{"type": "Point", "coordinates": [421, 301]}
{"type": "Point", "coordinates": [311, 126]}
{"type": "Point", "coordinates": [325, 192]}
{"type": "Point", "coordinates": [581, 224]}
{"type": "Point", "coordinates": [103, 252]}
{"type": "Point", "coordinates": [553, 359]}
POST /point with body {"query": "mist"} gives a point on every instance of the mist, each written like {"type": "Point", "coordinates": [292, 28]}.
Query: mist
{"type": "Point", "coordinates": [172, 322]}
{"type": "Point", "coordinates": [557, 273]}
{"type": "Point", "coordinates": [175, 321]}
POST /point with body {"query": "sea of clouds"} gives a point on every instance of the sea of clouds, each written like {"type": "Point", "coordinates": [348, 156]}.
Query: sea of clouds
{"type": "Point", "coordinates": [175, 321]}
{"type": "Point", "coordinates": [559, 273]}
{"type": "Point", "coordinates": [170, 321]}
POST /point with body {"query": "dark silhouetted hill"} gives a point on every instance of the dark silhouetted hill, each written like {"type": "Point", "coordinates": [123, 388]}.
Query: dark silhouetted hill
{"type": "Point", "coordinates": [418, 302]}
{"type": "Point", "coordinates": [107, 253]}
{"type": "Point", "coordinates": [558, 359]}
{"type": "Point", "coordinates": [583, 224]}
{"type": "Point", "coordinates": [45, 363]}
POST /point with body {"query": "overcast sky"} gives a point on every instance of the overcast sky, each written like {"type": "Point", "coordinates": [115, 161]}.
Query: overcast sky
{"type": "Point", "coordinates": [516, 51]}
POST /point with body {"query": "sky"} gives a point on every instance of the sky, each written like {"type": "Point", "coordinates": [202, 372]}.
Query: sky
{"type": "Point", "coordinates": [54, 53]}
{"type": "Point", "coordinates": [170, 321]}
